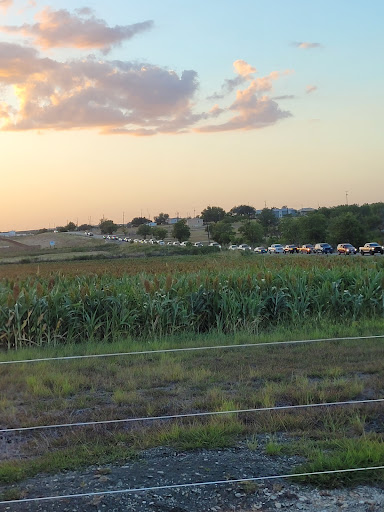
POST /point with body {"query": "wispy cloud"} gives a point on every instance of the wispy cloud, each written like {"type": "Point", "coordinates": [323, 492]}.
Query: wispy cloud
{"type": "Point", "coordinates": [252, 109]}
{"type": "Point", "coordinates": [311, 88]}
{"type": "Point", "coordinates": [61, 28]}
{"type": "Point", "coordinates": [305, 45]}
{"type": "Point", "coordinates": [5, 4]}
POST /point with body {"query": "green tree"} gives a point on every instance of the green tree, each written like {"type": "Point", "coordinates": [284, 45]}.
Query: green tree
{"type": "Point", "coordinates": [268, 220]}
{"type": "Point", "coordinates": [222, 232]}
{"type": "Point", "coordinates": [313, 228]}
{"type": "Point", "coordinates": [144, 230]}
{"type": "Point", "coordinates": [138, 221]}
{"type": "Point", "coordinates": [347, 228]}
{"type": "Point", "coordinates": [162, 218]}
{"type": "Point", "coordinates": [290, 230]}
{"type": "Point", "coordinates": [107, 227]}
{"type": "Point", "coordinates": [213, 214]}
{"type": "Point", "coordinates": [159, 233]}
{"type": "Point", "coordinates": [71, 226]}
{"type": "Point", "coordinates": [243, 211]}
{"type": "Point", "coordinates": [252, 232]}
{"type": "Point", "coordinates": [181, 231]}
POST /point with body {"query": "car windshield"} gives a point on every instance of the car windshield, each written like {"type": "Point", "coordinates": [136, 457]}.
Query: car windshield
{"type": "Point", "coordinates": [348, 245]}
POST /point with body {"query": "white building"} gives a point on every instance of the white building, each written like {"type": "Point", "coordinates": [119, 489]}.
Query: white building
{"type": "Point", "coordinates": [195, 223]}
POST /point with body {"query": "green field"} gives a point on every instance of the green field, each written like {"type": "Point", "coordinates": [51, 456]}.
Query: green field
{"type": "Point", "coordinates": [89, 307]}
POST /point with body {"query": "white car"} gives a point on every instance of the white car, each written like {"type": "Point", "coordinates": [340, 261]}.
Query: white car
{"type": "Point", "coordinates": [233, 247]}
{"type": "Point", "coordinates": [161, 242]}
{"type": "Point", "coordinates": [244, 247]}
{"type": "Point", "coordinates": [276, 249]}
{"type": "Point", "coordinates": [198, 244]}
{"type": "Point", "coordinates": [215, 244]}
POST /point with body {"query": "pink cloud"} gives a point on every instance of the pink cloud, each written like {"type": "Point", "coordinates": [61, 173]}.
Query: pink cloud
{"type": "Point", "coordinates": [5, 4]}
{"type": "Point", "coordinates": [252, 111]}
{"type": "Point", "coordinates": [307, 45]}
{"type": "Point", "coordinates": [311, 88]}
{"type": "Point", "coordinates": [60, 28]}
{"type": "Point", "coordinates": [119, 97]}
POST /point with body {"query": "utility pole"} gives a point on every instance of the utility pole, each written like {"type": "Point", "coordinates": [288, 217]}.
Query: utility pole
{"type": "Point", "coordinates": [346, 197]}
{"type": "Point", "coordinates": [123, 219]}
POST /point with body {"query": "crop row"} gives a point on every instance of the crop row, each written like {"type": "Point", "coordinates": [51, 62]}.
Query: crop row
{"type": "Point", "coordinates": [69, 309]}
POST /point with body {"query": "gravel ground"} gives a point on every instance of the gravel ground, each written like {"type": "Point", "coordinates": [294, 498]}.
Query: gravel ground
{"type": "Point", "coordinates": [164, 466]}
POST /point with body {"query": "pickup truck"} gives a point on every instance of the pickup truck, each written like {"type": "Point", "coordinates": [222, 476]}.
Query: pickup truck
{"type": "Point", "coordinates": [371, 248]}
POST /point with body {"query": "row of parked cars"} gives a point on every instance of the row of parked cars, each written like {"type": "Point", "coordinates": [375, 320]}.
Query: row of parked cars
{"type": "Point", "coordinates": [371, 248]}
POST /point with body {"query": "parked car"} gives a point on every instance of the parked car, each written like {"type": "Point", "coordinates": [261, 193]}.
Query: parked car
{"type": "Point", "coordinates": [183, 244]}
{"type": "Point", "coordinates": [346, 249]}
{"type": "Point", "coordinates": [198, 244]}
{"type": "Point", "coordinates": [215, 244]}
{"type": "Point", "coordinates": [291, 249]}
{"type": "Point", "coordinates": [233, 247]}
{"type": "Point", "coordinates": [161, 242]}
{"type": "Point", "coordinates": [260, 250]}
{"type": "Point", "coordinates": [244, 247]}
{"type": "Point", "coordinates": [276, 249]}
{"type": "Point", "coordinates": [371, 248]}
{"type": "Point", "coordinates": [323, 248]}
{"type": "Point", "coordinates": [306, 249]}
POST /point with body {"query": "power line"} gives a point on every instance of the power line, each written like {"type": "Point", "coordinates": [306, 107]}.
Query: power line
{"type": "Point", "coordinates": [190, 349]}
{"type": "Point", "coordinates": [189, 415]}
{"type": "Point", "coordinates": [188, 485]}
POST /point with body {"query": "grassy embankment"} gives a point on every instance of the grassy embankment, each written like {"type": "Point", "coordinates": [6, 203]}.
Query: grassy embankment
{"type": "Point", "coordinates": [295, 298]}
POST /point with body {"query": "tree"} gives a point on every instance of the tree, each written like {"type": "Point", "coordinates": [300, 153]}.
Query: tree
{"type": "Point", "coordinates": [213, 214]}
{"type": "Point", "coordinates": [162, 218]}
{"type": "Point", "coordinates": [71, 226]}
{"type": "Point", "coordinates": [268, 220]}
{"type": "Point", "coordinates": [313, 228]}
{"type": "Point", "coordinates": [138, 221]}
{"type": "Point", "coordinates": [181, 231]}
{"type": "Point", "coordinates": [243, 211]}
{"type": "Point", "coordinates": [222, 232]}
{"type": "Point", "coordinates": [144, 230]}
{"type": "Point", "coordinates": [107, 227]}
{"type": "Point", "coordinates": [346, 228]}
{"type": "Point", "coordinates": [159, 233]}
{"type": "Point", "coordinates": [252, 232]}
{"type": "Point", "coordinates": [85, 227]}
{"type": "Point", "coordinates": [290, 230]}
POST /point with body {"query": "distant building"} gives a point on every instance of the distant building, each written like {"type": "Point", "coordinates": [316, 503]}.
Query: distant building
{"type": "Point", "coordinates": [195, 223]}
{"type": "Point", "coordinates": [173, 220]}
{"type": "Point", "coordinates": [152, 224]}
{"type": "Point", "coordinates": [8, 233]}
{"type": "Point", "coordinates": [304, 211]}
{"type": "Point", "coordinates": [283, 211]}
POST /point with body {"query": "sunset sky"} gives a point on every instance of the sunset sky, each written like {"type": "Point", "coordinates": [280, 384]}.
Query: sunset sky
{"type": "Point", "coordinates": [174, 105]}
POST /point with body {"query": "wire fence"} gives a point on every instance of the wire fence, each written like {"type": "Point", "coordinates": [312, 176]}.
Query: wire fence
{"type": "Point", "coordinates": [190, 349]}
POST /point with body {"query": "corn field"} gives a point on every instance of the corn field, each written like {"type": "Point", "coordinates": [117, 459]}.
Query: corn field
{"type": "Point", "coordinates": [56, 309]}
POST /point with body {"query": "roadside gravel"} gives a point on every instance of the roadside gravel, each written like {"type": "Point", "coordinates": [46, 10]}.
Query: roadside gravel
{"type": "Point", "coordinates": [164, 466]}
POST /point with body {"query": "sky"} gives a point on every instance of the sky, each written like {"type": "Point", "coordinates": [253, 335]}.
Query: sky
{"type": "Point", "coordinates": [123, 108]}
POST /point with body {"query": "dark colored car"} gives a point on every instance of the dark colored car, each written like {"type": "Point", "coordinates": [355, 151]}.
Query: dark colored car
{"type": "Point", "coordinates": [291, 249]}
{"type": "Point", "coordinates": [323, 248]}
{"type": "Point", "coordinates": [346, 249]}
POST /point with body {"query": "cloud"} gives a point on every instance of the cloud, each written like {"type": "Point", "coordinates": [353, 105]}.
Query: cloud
{"type": "Point", "coordinates": [244, 73]}
{"type": "Point", "coordinates": [306, 45]}
{"type": "Point", "coordinates": [311, 88]}
{"type": "Point", "coordinates": [252, 110]}
{"type": "Point", "coordinates": [60, 28]}
{"type": "Point", "coordinates": [120, 97]}
{"type": "Point", "coordinates": [5, 4]}
{"type": "Point", "coordinates": [89, 93]}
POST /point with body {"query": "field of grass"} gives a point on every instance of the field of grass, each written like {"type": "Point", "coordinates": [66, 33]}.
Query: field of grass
{"type": "Point", "coordinates": [126, 305]}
